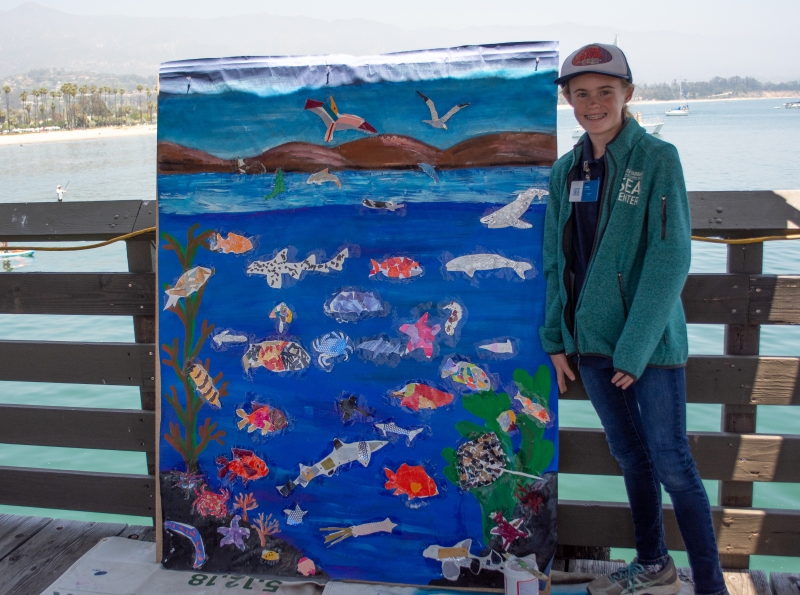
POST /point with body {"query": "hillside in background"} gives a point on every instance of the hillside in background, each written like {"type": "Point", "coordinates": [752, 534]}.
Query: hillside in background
{"type": "Point", "coordinates": [33, 37]}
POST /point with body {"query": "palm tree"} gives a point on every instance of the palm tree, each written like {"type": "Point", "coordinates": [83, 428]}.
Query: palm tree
{"type": "Point", "coordinates": [43, 104]}
{"type": "Point", "coordinates": [82, 91]}
{"type": "Point", "coordinates": [24, 97]}
{"type": "Point", "coordinates": [139, 90]}
{"type": "Point", "coordinates": [35, 94]}
{"type": "Point", "coordinates": [92, 91]}
{"type": "Point", "coordinates": [7, 90]}
{"type": "Point", "coordinates": [116, 112]}
{"type": "Point", "coordinates": [149, 104]}
{"type": "Point", "coordinates": [59, 95]}
{"type": "Point", "coordinates": [121, 97]}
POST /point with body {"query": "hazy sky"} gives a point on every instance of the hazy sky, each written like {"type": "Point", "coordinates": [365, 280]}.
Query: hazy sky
{"type": "Point", "coordinates": [721, 17]}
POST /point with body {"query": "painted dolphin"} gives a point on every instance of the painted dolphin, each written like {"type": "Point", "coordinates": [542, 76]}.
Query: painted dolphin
{"type": "Point", "coordinates": [487, 262]}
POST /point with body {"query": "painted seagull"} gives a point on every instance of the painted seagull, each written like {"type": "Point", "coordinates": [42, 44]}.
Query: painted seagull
{"type": "Point", "coordinates": [333, 120]}
{"type": "Point", "coordinates": [435, 120]}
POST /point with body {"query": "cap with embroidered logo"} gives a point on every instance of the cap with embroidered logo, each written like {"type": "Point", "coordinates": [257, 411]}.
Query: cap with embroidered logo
{"type": "Point", "coordinates": [597, 58]}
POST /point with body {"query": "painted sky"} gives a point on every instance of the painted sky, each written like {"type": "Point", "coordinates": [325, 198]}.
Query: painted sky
{"type": "Point", "coordinates": [253, 106]}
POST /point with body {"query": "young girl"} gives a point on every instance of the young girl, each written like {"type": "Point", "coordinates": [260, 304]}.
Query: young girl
{"type": "Point", "coordinates": [616, 255]}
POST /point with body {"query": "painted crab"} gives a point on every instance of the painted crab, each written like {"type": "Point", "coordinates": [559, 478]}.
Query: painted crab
{"type": "Point", "coordinates": [331, 348]}
{"type": "Point", "coordinates": [210, 503]}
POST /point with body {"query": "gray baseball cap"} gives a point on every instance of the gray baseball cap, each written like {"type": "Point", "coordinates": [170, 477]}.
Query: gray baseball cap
{"type": "Point", "coordinates": [597, 58]}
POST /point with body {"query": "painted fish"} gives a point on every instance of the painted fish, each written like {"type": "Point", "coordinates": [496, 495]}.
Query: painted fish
{"type": "Point", "coordinates": [393, 428]}
{"type": "Point", "coordinates": [507, 421]}
{"type": "Point", "coordinates": [233, 244]}
{"type": "Point", "coordinates": [306, 567]}
{"type": "Point", "coordinates": [496, 347]}
{"type": "Point", "coordinates": [387, 205]}
{"type": "Point", "coordinates": [382, 350]}
{"type": "Point", "coordinates": [412, 481]}
{"type": "Point", "coordinates": [456, 314]}
{"type": "Point", "coordinates": [342, 454]}
{"type": "Point", "coordinates": [352, 306]}
{"type": "Point", "coordinates": [471, 263]}
{"type": "Point", "coordinates": [332, 348]}
{"type": "Point", "coordinates": [418, 396]}
{"type": "Point", "coordinates": [397, 267]}
{"type": "Point", "coordinates": [349, 407]}
{"type": "Point", "coordinates": [226, 337]}
{"type": "Point", "coordinates": [323, 176]}
{"type": "Point", "coordinates": [276, 356]}
{"type": "Point", "coordinates": [188, 283]}
{"type": "Point", "coordinates": [282, 314]}
{"type": "Point", "coordinates": [533, 409]}
{"type": "Point", "coordinates": [204, 385]}
{"type": "Point", "coordinates": [467, 374]}
{"type": "Point", "coordinates": [294, 516]}
{"type": "Point", "coordinates": [509, 215]}
{"type": "Point", "coordinates": [275, 268]}
{"type": "Point", "coordinates": [244, 464]}
{"type": "Point", "coordinates": [263, 417]}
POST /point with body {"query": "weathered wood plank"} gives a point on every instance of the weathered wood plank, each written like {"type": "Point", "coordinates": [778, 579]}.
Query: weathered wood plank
{"type": "Point", "coordinates": [16, 530]}
{"type": "Point", "coordinates": [740, 213]}
{"type": "Point", "coordinates": [716, 298]}
{"type": "Point", "coordinates": [73, 490]}
{"type": "Point", "coordinates": [784, 583]}
{"type": "Point", "coordinates": [74, 427]}
{"type": "Point", "coordinates": [722, 456]}
{"type": "Point", "coordinates": [73, 221]}
{"type": "Point", "coordinates": [49, 553]}
{"type": "Point", "coordinates": [740, 531]}
{"type": "Point", "coordinates": [146, 217]}
{"type": "Point", "coordinates": [774, 299]}
{"type": "Point", "coordinates": [119, 294]}
{"type": "Point", "coordinates": [115, 364]}
{"type": "Point", "coordinates": [732, 380]}
{"type": "Point", "coordinates": [747, 582]}
{"type": "Point", "coordinates": [139, 533]}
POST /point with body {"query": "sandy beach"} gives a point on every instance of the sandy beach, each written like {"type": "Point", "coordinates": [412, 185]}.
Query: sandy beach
{"type": "Point", "coordinates": [71, 135]}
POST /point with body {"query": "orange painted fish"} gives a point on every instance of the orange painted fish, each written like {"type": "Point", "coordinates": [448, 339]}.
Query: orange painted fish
{"type": "Point", "coordinates": [233, 244]}
{"type": "Point", "coordinates": [418, 396]}
{"type": "Point", "coordinates": [396, 267]}
{"type": "Point", "coordinates": [263, 417]}
{"type": "Point", "coordinates": [534, 410]}
{"type": "Point", "coordinates": [244, 464]}
{"type": "Point", "coordinates": [414, 482]}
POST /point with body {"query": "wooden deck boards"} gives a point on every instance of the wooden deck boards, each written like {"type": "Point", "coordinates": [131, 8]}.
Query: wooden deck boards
{"type": "Point", "coordinates": [35, 551]}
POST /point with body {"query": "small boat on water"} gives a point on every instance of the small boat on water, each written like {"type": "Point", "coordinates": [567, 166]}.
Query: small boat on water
{"type": "Point", "coordinates": [792, 105]}
{"type": "Point", "coordinates": [14, 253]}
{"type": "Point", "coordinates": [682, 109]}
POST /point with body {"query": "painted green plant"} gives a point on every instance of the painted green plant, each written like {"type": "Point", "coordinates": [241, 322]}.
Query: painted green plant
{"type": "Point", "coordinates": [533, 456]}
{"type": "Point", "coordinates": [186, 437]}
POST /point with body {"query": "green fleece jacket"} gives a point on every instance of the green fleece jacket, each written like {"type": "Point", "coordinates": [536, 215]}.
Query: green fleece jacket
{"type": "Point", "coordinates": [629, 309]}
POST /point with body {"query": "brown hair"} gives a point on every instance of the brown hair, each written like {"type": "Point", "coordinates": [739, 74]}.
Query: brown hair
{"type": "Point", "coordinates": [625, 86]}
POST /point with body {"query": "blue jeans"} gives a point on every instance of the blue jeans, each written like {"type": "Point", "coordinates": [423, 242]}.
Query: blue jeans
{"type": "Point", "coordinates": [645, 428]}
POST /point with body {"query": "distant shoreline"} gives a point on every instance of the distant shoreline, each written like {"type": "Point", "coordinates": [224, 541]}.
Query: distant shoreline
{"type": "Point", "coordinates": [55, 136]}
{"type": "Point", "coordinates": [780, 100]}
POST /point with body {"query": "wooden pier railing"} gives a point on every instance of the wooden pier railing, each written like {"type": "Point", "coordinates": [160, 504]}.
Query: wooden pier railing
{"type": "Point", "coordinates": [742, 299]}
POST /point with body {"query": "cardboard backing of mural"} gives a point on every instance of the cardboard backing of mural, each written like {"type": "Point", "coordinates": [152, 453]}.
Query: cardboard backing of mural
{"type": "Point", "coordinates": [352, 384]}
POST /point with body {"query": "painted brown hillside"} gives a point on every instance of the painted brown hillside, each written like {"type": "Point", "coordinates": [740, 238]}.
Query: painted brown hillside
{"type": "Point", "coordinates": [383, 151]}
{"type": "Point", "coordinates": [505, 148]}
{"type": "Point", "coordinates": [177, 159]}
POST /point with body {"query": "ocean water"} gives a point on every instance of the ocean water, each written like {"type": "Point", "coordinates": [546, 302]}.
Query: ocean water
{"type": "Point", "coordinates": [724, 145]}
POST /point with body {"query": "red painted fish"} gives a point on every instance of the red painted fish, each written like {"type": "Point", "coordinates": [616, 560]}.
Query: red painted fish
{"type": "Point", "coordinates": [244, 464]}
{"type": "Point", "coordinates": [414, 482]}
{"type": "Point", "coordinates": [233, 244]}
{"type": "Point", "coordinates": [418, 396]}
{"type": "Point", "coordinates": [397, 267]}
{"type": "Point", "coordinates": [263, 417]}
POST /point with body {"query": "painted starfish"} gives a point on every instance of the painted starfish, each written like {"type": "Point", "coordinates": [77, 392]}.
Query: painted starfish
{"type": "Point", "coordinates": [507, 530]}
{"type": "Point", "coordinates": [421, 334]}
{"type": "Point", "coordinates": [234, 534]}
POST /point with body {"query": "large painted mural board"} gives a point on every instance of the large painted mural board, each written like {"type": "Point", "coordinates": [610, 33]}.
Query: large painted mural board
{"type": "Point", "coordinates": [351, 381]}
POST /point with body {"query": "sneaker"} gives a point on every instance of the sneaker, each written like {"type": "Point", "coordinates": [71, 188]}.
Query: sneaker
{"type": "Point", "coordinates": [635, 579]}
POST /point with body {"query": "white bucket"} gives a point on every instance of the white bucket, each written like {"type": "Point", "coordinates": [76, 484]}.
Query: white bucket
{"type": "Point", "coordinates": [519, 581]}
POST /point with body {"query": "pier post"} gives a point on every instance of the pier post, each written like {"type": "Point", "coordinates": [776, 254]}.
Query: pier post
{"type": "Point", "coordinates": [740, 339]}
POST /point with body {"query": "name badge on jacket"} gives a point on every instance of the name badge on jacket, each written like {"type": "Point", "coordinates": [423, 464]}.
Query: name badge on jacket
{"type": "Point", "coordinates": [584, 191]}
